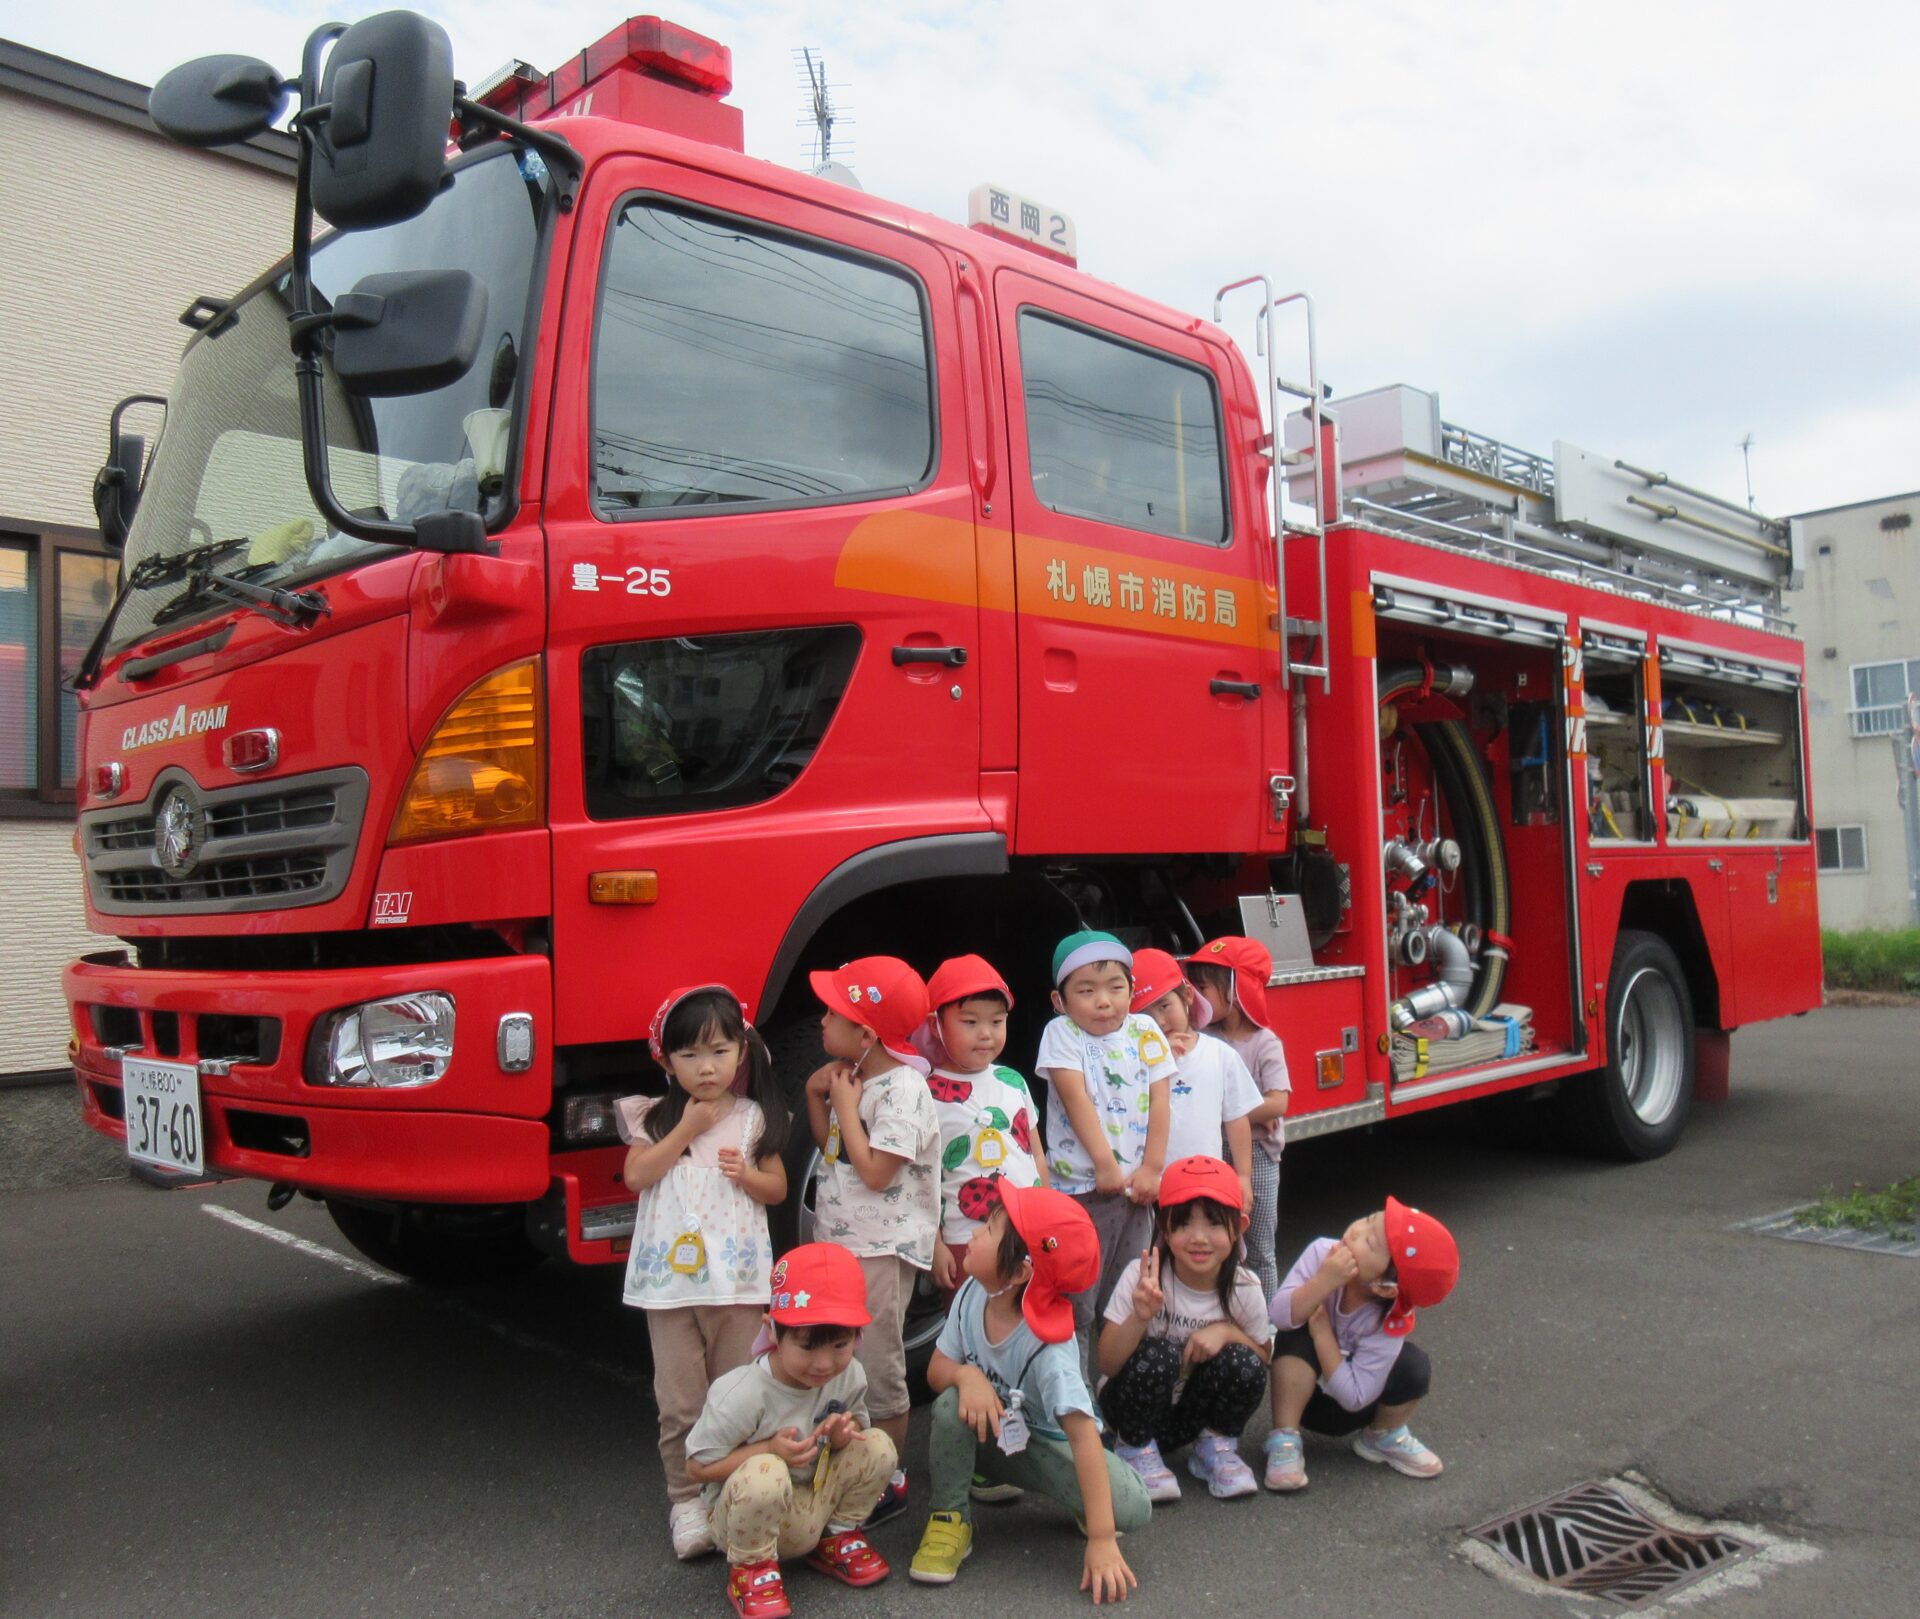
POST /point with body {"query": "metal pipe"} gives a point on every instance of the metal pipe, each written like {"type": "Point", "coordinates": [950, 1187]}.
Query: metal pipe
{"type": "Point", "coordinates": [1404, 861]}
{"type": "Point", "coordinates": [1451, 962]}
{"type": "Point", "coordinates": [1659, 480]}
{"type": "Point", "coordinates": [1302, 804]}
{"type": "Point", "coordinates": [1675, 515]}
{"type": "Point", "coordinates": [1424, 1002]}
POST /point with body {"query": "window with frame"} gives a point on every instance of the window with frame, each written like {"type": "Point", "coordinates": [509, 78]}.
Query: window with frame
{"type": "Point", "coordinates": [1880, 693]}
{"type": "Point", "coordinates": [1840, 848]}
{"type": "Point", "coordinates": [55, 588]}
{"type": "Point", "coordinates": [735, 366]}
{"type": "Point", "coordinates": [1120, 434]}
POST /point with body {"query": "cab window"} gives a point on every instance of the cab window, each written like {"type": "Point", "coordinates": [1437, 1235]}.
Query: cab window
{"type": "Point", "coordinates": [735, 366]}
{"type": "Point", "coordinates": [1120, 434]}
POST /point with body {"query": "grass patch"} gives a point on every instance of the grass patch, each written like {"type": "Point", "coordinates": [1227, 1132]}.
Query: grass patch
{"type": "Point", "coordinates": [1877, 959]}
{"type": "Point", "coordinates": [1893, 1209]}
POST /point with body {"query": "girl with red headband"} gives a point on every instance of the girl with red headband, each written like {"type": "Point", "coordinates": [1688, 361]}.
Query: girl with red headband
{"type": "Point", "coordinates": [706, 1162]}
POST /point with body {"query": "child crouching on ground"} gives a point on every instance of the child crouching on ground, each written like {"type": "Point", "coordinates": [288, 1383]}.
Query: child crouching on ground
{"type": "Point", "coordinates": [1344, 1313]}
{"type": "Point", "coordinates": [783, 1449]}
{"type": "Point", "coordinates": [1012, 1404]}
{"type": "Point", "coordinates": [1187, 1339]}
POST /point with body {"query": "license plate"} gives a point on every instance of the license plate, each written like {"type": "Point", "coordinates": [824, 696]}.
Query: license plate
{"type": "Point", "coordinates": [163, 1114]}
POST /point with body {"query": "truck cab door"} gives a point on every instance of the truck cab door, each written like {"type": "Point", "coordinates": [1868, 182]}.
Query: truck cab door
{"type": "Point", "coordinates": [764, 621]}
{"type": "Point", "coordinates": [1137, 592]}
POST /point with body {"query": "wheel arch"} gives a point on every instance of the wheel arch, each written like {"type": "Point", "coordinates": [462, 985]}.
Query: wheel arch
{"type": "Point", "coordinates": [1666, 908]}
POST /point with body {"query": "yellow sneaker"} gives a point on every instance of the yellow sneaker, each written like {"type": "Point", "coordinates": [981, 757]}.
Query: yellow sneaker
{"type": "Point", "coordinates": [947, 1544]}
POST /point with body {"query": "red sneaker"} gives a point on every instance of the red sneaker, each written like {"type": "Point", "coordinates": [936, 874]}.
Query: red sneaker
{"type": "Point", "coordinates": [757, 1591]}
{"type": "Point", "coordinates": [848, 1558]}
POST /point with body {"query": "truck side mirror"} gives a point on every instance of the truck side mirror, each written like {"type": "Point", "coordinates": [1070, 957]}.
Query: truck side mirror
{"type": "Point", "coordinates": [218, 100]}
{"type": "Point", "coordinates": [387, 91]}
{"type": "Point", "coordinates": [116, 486]}
{"type": "Point", "coordinates": [408, 332]}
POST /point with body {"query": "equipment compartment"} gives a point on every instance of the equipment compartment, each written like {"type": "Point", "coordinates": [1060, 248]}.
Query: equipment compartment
{"type": "Point", "coordinates": [1732, 746]}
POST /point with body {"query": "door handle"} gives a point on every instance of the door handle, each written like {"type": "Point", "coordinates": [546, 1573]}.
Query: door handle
{"type": "Point", "coordinates": [1233, 688]}
{"type": "Point", "coordinates": [952, 656]}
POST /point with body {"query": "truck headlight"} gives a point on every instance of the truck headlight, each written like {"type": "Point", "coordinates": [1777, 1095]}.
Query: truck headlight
{"type": "Point", "coordinates": [398, 1043]}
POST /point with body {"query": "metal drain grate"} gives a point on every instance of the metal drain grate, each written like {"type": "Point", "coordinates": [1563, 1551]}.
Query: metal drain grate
{"type": "Point", "coordinates": [1592, 1541]}
{"type": "Point", "coordinates": [1905, 1244]}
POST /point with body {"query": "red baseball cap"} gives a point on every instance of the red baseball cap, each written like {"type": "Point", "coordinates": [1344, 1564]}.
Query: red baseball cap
{"type": "Point", "coordinates": [1155, 973]}
{"type": "Point", "coordinates": [1066, 1255]}
{"type": "Point", "coordinates": [881, 993]}
{"type": "Point", "coordinates": [1251, 965]}
{"type": "Point", "coordinates": [818, 1284]}
{"type": "Point", "coordinates": [1188, 1178]}
{"type": "Point", "coordinates": [960, 978]}
{"type": "Point", "coordinates": [1426, 1263]}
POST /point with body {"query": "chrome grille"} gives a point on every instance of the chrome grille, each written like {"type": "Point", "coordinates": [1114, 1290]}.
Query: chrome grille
{"type": "Point", "coordinates": [256, 846]}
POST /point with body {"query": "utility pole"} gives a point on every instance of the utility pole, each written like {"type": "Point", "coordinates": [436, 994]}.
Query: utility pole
{"type": "Point", "coordinates": [1906, 768]}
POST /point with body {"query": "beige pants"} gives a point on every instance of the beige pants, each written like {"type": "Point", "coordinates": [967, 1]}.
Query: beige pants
{"type": "Point", "coordinates": [760, 1513]}
{"type": "Point", "coordinates": [693, 1345]}
{"type": "Point", "coordinates": [882, 1351]}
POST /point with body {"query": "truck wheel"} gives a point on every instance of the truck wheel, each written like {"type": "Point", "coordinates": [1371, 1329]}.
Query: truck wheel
{"type": "Point", "coordinates": [795, 1048]}
{"type": "Point", "coordinates": [1636, 1107]}
{"type": "Point", "coordinates": [439, 1245]}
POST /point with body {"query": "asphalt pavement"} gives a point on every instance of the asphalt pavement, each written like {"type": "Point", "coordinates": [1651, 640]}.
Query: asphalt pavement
{"type": "Point", "coordinates": [209, 1409]}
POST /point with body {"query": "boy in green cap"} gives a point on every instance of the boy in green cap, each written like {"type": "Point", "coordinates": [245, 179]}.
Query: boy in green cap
{"type": "Point", "coordinates": [1109, 1074]}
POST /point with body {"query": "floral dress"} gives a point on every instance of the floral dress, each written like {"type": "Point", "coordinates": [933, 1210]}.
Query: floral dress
{"type": "Point", "coordinates": [697, 1237]}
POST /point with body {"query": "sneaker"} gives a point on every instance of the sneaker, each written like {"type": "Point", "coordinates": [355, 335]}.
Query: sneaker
{"type": "Point", "coordinates": [692, 1535]}
{"type": "Point", "coordinates": [947, 1544]}
{"type": "Point", "coordinates": [848, 1558]}
{"type": "Point", "coordinates": [986, 1489]}
{"type": "Point", "coordinates": [1399, 1450]}
{"type": "Point", "coordinates": [1154, 1473]}
{"type": "Point", "coordinates": [892, 1502]}
{"type": "Point", "coordinates": [1216, 1458]}
{"type": "Point", "coordinates": [757, 1591]}
{"type": "Point", "coordinates": [1286, 1461]}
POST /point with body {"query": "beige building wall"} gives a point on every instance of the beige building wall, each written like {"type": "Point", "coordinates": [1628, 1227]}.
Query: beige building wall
{"type": "Point", "coordinates": [1860, 604]}
{"type": "Point", "coordinates": [107, 232]}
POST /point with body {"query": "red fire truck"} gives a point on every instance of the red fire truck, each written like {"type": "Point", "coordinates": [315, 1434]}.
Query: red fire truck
{"type": "Point", "coordinates": [652, 565]}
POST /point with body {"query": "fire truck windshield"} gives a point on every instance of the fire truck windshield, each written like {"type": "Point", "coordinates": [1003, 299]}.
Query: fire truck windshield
{"type": "Point", "coordinates": [228, 470]}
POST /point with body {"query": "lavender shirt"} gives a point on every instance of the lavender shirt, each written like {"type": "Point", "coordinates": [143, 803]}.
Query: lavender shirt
{"type": "Point", "coordinates": [1369, 1352]}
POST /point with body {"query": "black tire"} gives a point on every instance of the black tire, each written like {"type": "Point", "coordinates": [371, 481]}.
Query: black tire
{"type": "Point", "coordinates": [795, 1049]}
{"type": "Point", "coordinates": [1636, 1107]}
{"type": "Point", "coordinates": [439, 1246]}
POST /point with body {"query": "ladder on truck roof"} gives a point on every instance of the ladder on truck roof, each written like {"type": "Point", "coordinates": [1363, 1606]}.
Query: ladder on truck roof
{"type": "Point", "coordinates": [1575, 515]}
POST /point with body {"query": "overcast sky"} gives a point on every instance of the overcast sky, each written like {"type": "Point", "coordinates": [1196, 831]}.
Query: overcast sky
{"type": "Point", "coordinates": [1648, 229]}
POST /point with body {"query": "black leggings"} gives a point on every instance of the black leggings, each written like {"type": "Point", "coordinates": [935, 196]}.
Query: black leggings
{"type": "Point", "coordinates": [1410, 1378]}
{"type": "Point", "coordinates": [1221, 1394]}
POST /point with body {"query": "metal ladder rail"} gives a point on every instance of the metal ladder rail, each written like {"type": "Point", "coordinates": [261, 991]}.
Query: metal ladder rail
{"type": "Point", "coordinates": [1311, 460]}
{"type": "Point", "coordinates": [1270, 445]}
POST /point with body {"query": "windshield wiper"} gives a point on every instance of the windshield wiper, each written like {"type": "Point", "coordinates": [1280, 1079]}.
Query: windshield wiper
{"type": "Point", "coordinates": [298, 609]}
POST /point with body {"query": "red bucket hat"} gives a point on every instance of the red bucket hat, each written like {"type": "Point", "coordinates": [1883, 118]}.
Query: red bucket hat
{"type": "Point", "coordinates": [1189, 1178]}
{"type": "Point", "coordinates": [961, 977]}
{"type": "Point", "coordinates": [881, 993]}
{"type": "Point", "coordinates": [1066, 1255]}
{"type": "Point", "coordinates": [1426, 1263]}
{"type": "Point", "coordinates": [657, 1029]}
{"type": "Point", "coordinates": [1251, 965]}
{"type": "Point", "coordinates": [818, 1284]}
{"type": "Point", "coordinates": [1155, 973]}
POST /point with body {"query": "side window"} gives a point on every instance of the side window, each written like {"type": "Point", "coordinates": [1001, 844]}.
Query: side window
{"type": "Point", "coordinates": [734, 366]}
{"type": "Point", "coordinates": [707, 723]}
{"type": "Point", "coordinates": [1122, 435]}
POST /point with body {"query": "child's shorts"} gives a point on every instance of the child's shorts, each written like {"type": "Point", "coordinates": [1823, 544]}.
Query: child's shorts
{"type": "Point", "coordinates": [1410, 1379]}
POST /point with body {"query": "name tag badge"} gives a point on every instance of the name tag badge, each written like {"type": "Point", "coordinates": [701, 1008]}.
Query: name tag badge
{"type": "Point", "coordinates": [1013, 1427]}
{"type": "Point", "coordinates": [990, 1150]}
{"type": "Point", "coordinates": [689, 1255]}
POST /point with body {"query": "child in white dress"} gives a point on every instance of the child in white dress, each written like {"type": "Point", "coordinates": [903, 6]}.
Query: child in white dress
{"type": "Point", "coordinates": [706, 1162]}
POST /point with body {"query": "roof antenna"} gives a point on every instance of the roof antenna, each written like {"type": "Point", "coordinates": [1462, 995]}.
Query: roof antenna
{"type": "Point", "coordinates": [1746, 457]}
{"type": "Point", "coordinates": [821, 116]}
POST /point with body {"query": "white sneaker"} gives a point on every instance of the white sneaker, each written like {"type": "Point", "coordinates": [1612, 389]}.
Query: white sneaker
{"type": "Point", "coordinates": [692, 1535]}
{"type": "Point", "coordinates": [1399, 1450]}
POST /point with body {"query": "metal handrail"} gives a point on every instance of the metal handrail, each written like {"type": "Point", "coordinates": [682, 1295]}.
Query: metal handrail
{"type": "Point", "coordinates": [1263, 343]}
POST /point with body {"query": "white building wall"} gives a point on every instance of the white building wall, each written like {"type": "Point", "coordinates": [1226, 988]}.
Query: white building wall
{"type": "Point", "coordinates": [107, 233]}
{"type": "Point", "coordinates": [1860, 604]}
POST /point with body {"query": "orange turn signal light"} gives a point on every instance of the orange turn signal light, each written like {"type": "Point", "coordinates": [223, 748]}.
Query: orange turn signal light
{"type": "Point", "coordinates": [484, 769]}
{"type": "Point", "coordinates": [1332, 1067]}
{"type": "Point", "coordinates": [623, 887]}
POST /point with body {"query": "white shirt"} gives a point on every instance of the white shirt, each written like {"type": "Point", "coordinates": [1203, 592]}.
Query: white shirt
{"type": "Point", "coordinates": [1120, 1070]}
{"type": "Point", "coordinates": [1212, 1087]}
{"type": "Point", "coordinates": [896, 1110]}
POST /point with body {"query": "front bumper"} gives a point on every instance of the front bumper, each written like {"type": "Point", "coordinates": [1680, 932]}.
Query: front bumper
{"type": "Point", "coordinates": [477, 1135]}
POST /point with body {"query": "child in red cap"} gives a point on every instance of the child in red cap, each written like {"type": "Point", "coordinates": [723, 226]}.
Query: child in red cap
{"type": "Point", "coordinates": [782, 1448]}
{"type": "Point", "coordinates": [1214, 1096]}
{"type": "Point", "coordinates": [879, 1192]}
{"type": "Point", "coordinates": [1344, 1313]}
{"type": "Point", "coordinates": [1232, 974]}
{"type": "Point", "coordinates": [1013, 1406]}
{"type": "Point", "coordinates": [985, 1111]}
{"type": "Point", "coordinates": [1187, 1339]}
